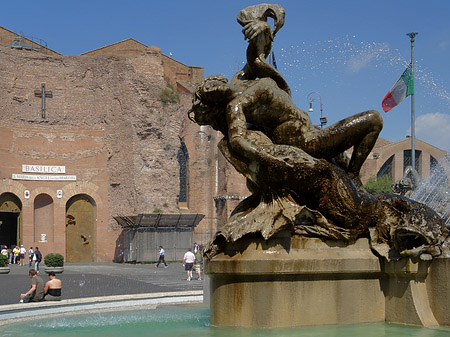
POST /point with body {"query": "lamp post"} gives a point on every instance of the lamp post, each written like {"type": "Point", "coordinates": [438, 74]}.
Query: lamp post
{"type": "Point", "coordinates": [311, 99]}
{"type": "Point", "coordinates": [413, 128]}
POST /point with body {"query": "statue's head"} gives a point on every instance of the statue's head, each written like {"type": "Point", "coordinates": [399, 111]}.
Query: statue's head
{"type": "Point", "coordinates": [210, 100]}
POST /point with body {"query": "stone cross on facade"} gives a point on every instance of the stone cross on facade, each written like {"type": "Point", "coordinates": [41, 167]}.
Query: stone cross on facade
{"type": "Point", "coordinates": [43, 94]}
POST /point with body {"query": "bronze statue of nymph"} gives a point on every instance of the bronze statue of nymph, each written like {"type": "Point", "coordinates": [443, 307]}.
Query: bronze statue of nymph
{"type": "Point", "coordinates": [300, 178]}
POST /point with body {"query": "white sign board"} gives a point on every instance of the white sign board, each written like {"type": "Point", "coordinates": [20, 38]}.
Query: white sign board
{"type": "Point", "coordinates": [43, 169]}
{"type": "Point", "coordinates": [16, 176]}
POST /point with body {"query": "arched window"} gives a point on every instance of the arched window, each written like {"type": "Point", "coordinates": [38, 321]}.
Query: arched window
{"type": "Point", "coordinates": [408, 162]}
{"type": "Point", "coordinates": [437, 172]}
{"type": "Point", "coordinates": [386, 169]}
{"type": "Point", "coordinates": [183, 161]}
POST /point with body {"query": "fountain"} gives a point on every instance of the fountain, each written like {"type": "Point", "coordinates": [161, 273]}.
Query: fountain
{"type": "Point", "coordinates": [310, 246]}
{"type": "Point", "coordinates": [435, 190]}
{"type": "Point", "coordinates": [188, 321]}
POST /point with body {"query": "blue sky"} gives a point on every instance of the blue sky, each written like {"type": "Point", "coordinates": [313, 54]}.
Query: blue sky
{"type": "Point", "coordinates": [350, 51]}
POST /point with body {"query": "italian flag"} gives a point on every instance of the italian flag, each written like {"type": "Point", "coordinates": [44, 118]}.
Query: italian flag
{"type": "Point", "coordinates": [401, 89]}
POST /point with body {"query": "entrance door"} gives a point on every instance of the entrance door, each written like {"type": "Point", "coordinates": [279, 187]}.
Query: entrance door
{"type": "Point", "coordinates": [80, 229]}
{"type": "Point", "coordinates": [10, 208]}
{"type": "Point", "coordinates": [8, 228]}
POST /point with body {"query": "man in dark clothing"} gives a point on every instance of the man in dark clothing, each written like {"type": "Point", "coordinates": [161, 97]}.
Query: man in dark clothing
{"type": "Point", "coordinates": [36, 292]}
{"type": "Point", "coordinates": [38, 260]}
{"type": "Point", "coordinates": [161, 257]}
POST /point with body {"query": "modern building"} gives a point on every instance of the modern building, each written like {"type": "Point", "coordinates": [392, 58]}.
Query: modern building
{"type": "Point", "coordinates": [392, 158]}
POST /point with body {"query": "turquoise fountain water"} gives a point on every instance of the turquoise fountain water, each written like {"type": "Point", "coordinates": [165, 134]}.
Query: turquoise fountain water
{"type": "Point", "coordinates": [192, 321]}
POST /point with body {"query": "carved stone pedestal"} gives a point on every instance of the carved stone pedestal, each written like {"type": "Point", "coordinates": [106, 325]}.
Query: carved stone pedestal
{"type": "Point", "coordinates": [294, 281]}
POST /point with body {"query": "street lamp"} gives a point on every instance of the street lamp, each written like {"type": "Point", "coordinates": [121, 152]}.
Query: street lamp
{"type": "Point", "coordinates": [310, 98]}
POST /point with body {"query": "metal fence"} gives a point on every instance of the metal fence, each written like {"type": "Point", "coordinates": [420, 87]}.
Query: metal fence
{"type": "Point", "coordinates": [142, 245]}
{"type": "Point", "coordinates": [142, 235]}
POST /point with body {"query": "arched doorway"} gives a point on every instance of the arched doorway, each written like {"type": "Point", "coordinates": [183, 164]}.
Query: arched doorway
{"type": "Point", "coordinates": [10, 219]}
{"type": "Point", "coordinates": [80, 217]}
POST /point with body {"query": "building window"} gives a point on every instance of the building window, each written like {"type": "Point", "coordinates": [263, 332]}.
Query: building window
{"type": "Point", "coordinates": [437, 172]}
{"type": "Point", "coordinates": [183, 161]}
{"type": "Point", "coordinates": [433, 163]}
{"type": "Point", "coordinates": [386, 169]}
{"type": "Point", "coordinates": [407, 160]}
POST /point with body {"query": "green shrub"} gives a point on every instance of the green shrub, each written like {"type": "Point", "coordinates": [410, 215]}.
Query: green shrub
{"type": "Point", "coordinates": [157, 210]}
{"type": "Point", "coordinates": [379, 185]}
{"type": "Point", "coordinates": [169, 95]}
{"type": "Point", "coordinates": [3, 261]}
{"type": "Point", "coordinates": [54, 260]}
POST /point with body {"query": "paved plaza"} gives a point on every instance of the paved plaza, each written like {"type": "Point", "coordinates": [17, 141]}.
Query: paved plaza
{"type": "Point", "coordinates": [82, 280]}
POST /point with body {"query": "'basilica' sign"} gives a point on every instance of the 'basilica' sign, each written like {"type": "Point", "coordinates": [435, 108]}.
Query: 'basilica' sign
{"type": "Point", "coordinates": [52, 170]}
{"type": "Point", "coordinates": [43, 169]}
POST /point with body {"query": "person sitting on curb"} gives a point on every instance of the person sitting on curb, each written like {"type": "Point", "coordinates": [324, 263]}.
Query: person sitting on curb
{"type": "Point", "coordinates": [52, 288]}
{"type": "Point", "coordinates": [36, 292]}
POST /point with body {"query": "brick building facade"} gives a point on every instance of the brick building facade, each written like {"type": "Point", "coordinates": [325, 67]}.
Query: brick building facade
{"type": "Point", "coordinates": [100, 144]}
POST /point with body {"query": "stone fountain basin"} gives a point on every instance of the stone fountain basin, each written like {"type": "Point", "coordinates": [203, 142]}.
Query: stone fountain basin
{"type": "Point", "coordinates": [296, 281]}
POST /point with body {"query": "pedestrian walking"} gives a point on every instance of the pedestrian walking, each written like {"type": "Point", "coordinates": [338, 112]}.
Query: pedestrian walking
{"type": "Point", "coordinates": [37, 259]}
{"type": "Point", "coordinates": [22, 252]}
{"type": "Point", "coordinates": [30, 256]}
{"type": "Point", "coordinates": [198, 264]}
{"type": "Point", "coordinates": [162, 252]}
{"type": "Point", "coordinates": [188, 263]}
{"type": "Point", "coordinates": [16, 252]}
{"type": "Point", "coordinates": [5, 251]}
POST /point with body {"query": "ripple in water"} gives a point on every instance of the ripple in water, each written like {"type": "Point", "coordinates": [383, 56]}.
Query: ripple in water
{"type": "Point", "coordinates": [193, 321]}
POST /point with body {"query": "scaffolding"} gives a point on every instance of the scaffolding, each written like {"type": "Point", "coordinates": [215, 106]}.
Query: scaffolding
{"type": "Point", "coordinates": [22, 42]}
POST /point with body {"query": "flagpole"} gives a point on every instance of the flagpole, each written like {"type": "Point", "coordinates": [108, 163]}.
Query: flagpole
{"type": "Point", "coordinates": [413, 128]}
{"type": "Point", "coordinates": [271, 57]}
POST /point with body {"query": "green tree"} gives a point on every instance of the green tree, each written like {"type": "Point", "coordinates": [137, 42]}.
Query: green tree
{"type": "Point", "coordinates": [379, 185]}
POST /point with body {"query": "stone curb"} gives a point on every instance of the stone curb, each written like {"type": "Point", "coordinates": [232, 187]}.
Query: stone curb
{"type": "Point", "coordinates": [15, 313]}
